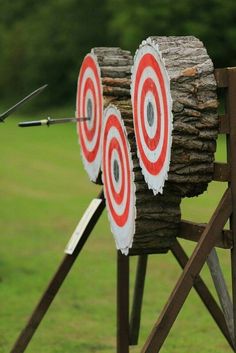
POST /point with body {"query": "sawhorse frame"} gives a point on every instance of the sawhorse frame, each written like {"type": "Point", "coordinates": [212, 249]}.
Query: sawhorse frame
{"type": "Point", "coordinates": [207, 236]}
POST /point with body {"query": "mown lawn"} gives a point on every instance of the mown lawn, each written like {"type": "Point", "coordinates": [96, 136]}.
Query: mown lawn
{"type": "Point", "coordinates": [44, 191]}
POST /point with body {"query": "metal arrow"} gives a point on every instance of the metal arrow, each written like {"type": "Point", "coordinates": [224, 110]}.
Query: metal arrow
{"type": "Point", "coordinates": [23, 101]}
{"type": "Point", "coordinates": [50, 121]}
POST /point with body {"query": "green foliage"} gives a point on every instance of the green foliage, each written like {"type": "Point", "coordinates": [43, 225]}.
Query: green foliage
{"type": "Point", "coordinates": [45, 41]}
{"type": "Point", "coordinates": [47, 45]}
{"type": "Point", "coordinates": [213, 21]}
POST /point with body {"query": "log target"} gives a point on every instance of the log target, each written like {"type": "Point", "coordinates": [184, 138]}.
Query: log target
{"type": "Point", "coordinates": [138, 219]}
{"type": "Point", "coordinates": [174, 104]}
{"type": "Point", "coordinates": [104, 77]}
{"type": "Point", "coordinates": [152, 112]}
{"type": "Point", "coordinates": [117, 178]}
{"type": "Point", "coordinates": [90, 104]}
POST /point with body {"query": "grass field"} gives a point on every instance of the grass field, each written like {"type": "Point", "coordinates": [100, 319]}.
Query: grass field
{"type": "Point", "coordinates": [44, 191]}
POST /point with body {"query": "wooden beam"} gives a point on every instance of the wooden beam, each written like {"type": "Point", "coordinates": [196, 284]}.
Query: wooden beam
{"type": "Point", "coordinates": [147, 251]}
{"type": "Point", "coordinates": [221, 172]}
{"type": "Point", "coordinates": [221, 78]}
{"type": "Point", "coordinates": [207, 241]}
{"type": "Point", "coordinates": [193, 231]}
{"type": "Point", "coordinates": [221, 289]}
{"type": "Point", "coordinates": [231, 143]}
{"type": "Point", "coordinates": [223, 124]}
{"type": "Point", "coordinates": [204, 293]}
{"type": "Point", "coordinates": [122, 303]}
{"type": "Point", "coordinates": [135, 318]}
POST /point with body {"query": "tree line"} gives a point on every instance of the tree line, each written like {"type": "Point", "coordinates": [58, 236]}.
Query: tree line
{"type": "Point", "coordinates": [45, 41]}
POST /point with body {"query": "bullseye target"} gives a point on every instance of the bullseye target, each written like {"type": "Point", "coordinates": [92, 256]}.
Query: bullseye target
{"type": "Point", "coordinates": [118, 178]}
{"type": "Point", "coordinates": [89, 103]}
{"type": "Point", "coordinates": [152, 112]}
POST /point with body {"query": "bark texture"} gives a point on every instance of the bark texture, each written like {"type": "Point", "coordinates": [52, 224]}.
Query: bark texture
{"type": "Point", "coordinates": [157, 217]}
{"type": "Point", "coordinates": [115, 66]}
{"type": "Point", "coordinates": [195, 128]}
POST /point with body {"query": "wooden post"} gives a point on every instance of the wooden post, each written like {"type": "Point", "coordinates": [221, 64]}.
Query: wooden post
{"type": "Point", "coordinates": [122, 303]}
{"type": "Point", "coordinates": [191, 270]}
{"type": "Point", "coordinates": [205, 295]}
{"type": "Point", "coordinates": [231, 112]}
{"type": "Point", "coordinates": [221, 289]}
{"type": "Point", "coordinates": [138, 299]}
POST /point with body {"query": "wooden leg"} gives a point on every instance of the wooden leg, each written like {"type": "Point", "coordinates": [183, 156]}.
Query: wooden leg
{"type": "Point", "coordinates": [204, 294]}
{"type": "Point", "coordinates": [231, 142]}
{"type": "Point", "coordinates": [221, 290]}
{"type": "Point", "coordinates": [138, 299]}
{"type": "Point", "coordinates": [207, 241]}
{"type": "Point", "coordinates": [233, 271]}
{"type": "Point", "coordinates": [122, 303]}
{"type": "Point", "coordinates": [53, 287]}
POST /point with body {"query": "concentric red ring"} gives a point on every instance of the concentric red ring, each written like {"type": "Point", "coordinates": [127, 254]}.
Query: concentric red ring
{"type": "Point", "coordinates": [93, 83]}
{"type": "Point", "coordinates": [118, 196]}
{"type": "Point", "coordinates": [149, 86]}
{"type": "Point", "coordinates": [119, 219]}
{"type": "Point", "coordinates": [89, 132]}
{"type": "Point", "coordinates": [148, 60]}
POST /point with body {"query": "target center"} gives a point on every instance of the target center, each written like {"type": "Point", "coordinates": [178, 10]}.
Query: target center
{"type": "Point", "coordinates": [150, 114]}
{"type": "Point", "coordinates": [89, 111]}
{"type": "Point", "coordinates": [116, 170]}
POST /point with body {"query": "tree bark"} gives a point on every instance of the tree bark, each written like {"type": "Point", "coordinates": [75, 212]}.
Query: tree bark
{"type": "Point", "coordinates": [195, 126]}
{"type": "Point", "coordinates": [157, 217]}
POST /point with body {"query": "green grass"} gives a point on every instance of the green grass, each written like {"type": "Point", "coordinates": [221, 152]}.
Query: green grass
{"type": "Point", "coordinates": [44, 191]}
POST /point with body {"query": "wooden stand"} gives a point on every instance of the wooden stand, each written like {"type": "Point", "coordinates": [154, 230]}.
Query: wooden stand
{"type": "Point", "coordinates": [207, 236]}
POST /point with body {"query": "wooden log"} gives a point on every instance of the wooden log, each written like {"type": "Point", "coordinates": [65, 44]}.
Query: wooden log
{"type": "Point", "coordinates": [115, 68]}
{"type": "Point", "coordinates": [213, 264]}
{"type": "Point", "coordinates": [186, 78]}
{"type": "Point", "coordinates": [104, 77]}
{"type": "Point", "coordinates": [148, 222]}
{"type": "Point", "coordinates": [193, 88]}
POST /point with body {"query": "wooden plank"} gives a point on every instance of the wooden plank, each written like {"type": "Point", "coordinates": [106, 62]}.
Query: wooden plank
{"type": "Point", "coordinates": [221, 78]}
{"type": "Point", "coordinates": [231, 143]}
{"type": "Point", "coordinates": [122, 303]}
{"type": "Point", "coordinates": [223, 124]}
{"type": "Point", "coordinates": [204, 293]}
{"type": "Point", "coordinates": [221, 172]}
{"type": "Point", "coordinates": [146, 251]}
{"type": "Point", "coordinates": [222, 290]}
{"type": "Point", "coordinates": [54, 286]}
{"type": "Point", "coordinates": [191, 270]}
{"type": "Point", "coordinates": [135, 318]}
{"type": "Point", "coordinates": [193, 231]}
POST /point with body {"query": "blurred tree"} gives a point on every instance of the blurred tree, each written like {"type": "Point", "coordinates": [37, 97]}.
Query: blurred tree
{"type": "Point", "coordinates": [45, 42]}
{"type": "Point", "coordinates": [212, 21]}
{"type": "Point", "coordinates": [47, 46]}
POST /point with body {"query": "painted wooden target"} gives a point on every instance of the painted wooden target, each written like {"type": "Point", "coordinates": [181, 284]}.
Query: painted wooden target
{"type": "Point", "coordinates": [174, 102]}
{"type": "Point", "coordinates": [117, 176]}
{"type": "Point", "coordinates": [104, 77]}
{"type": "Point", "coordinates": [89, 103]}
{"type": "Point", "coordinates": [152, 113]}
{"type": "Point", "coordinates": [139, 220]}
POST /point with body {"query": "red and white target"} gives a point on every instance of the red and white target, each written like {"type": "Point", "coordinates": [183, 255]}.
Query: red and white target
{"type": "Point", "coordinates": [89, 103]}
{"type": "Point", "coordinates": [152, 111]}
{"type": "Point", "coordinates": [118, 179]}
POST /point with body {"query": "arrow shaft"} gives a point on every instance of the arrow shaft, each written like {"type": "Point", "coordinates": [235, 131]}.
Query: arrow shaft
{"type": "Point", "coordinates": [23, 101]}
{"type": "Point", "coordinates": [66, 120]}
{"type": "Point", "coordinates": [50, 121]}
